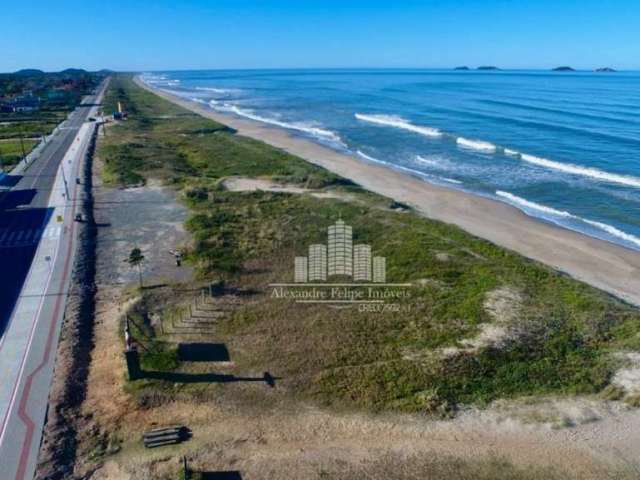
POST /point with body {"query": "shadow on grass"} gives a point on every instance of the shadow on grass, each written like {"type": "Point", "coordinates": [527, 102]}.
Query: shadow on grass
{"type": "Point", "coordinates": [203, 352]}
{"type": "Point", "coordinates": [231, 475]}
{"type": "Point", "coordinates": [180, 377]}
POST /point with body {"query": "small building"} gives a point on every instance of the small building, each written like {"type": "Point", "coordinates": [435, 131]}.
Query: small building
{"type": "Point", "coordinates": [27, 102]}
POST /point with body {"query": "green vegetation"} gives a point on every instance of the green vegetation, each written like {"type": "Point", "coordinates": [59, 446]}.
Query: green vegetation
{"type": "Point", "coordinates": [49, 96]}
{"type": "Point", "coordinates": [561, 333]}
{"type": "Point", "coordinates": [11, 151]}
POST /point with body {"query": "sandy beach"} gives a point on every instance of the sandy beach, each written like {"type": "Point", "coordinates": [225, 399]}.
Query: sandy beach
{"type": "Point", "coordinates": [604, 265]}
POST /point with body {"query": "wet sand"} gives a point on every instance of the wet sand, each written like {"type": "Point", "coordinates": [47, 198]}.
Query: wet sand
{"type": "Point", "coordinates": [604, 265]}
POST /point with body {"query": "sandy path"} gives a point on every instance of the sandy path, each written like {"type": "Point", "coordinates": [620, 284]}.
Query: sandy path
{"type": "Point", "coordinates": [602, 264]}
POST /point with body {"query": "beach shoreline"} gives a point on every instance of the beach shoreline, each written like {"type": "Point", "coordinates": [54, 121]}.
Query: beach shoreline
{"type": "Point", "coordinates": [604, 265]}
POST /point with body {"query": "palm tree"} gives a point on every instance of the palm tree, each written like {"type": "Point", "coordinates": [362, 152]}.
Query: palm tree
{"type": "Point", "coordinates": [135, 260]}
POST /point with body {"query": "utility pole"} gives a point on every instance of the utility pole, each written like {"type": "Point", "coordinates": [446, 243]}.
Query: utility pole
{"type": "Point", "coordinates": [24, 155]}
{"type": "Point", "coordinates": [64, 179]}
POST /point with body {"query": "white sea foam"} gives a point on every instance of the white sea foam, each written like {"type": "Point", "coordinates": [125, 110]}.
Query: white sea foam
{"type": "Point", "coordinates": [217, 90]}
{"type": "Point", "coordinates": [399, 122]}
{"type": "Point", "coordinates": [511, 153]}
{"type": "Point", "coordinates": [411, 171]}
{"type": "Point", "coordinates": [614, 231]}
{"type": "Point", "coordinates": [532, 205]}
{"type": "Point", "coordinates": [476, 145]}
{"type": "Point", "coordinates": [393, 165]}
{"type": "Point", "coordinates": [611, 230]}
{"type": "Point", "coordinates": [583, 171]}
{"type": "Point", "coordinates": [427, 161]}
{"type": "Point", "coordinates": [452, 180]}
{"type": "Point", "coordinates": [317, 132]}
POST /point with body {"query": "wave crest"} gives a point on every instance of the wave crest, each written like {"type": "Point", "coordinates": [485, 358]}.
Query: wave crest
{"type": "Point", "coordinates": [399, 122]}
{"type": "Point", "coordinates": [583, 171]}
{"type": "Point", "coordinates": [609, 229]}
{"type": "Point", "coordinates": [479, 145]}
{"type": "Point", "coordinates": [317, 132]}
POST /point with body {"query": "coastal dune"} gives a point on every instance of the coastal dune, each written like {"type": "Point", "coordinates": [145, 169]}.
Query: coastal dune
{"type": "Point", "coordinates": [604, 265]}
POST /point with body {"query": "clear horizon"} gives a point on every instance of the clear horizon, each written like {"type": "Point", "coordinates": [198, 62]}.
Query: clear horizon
{"type": "Point", "coordinates": [472, 68]}
{"type": "Point", "coordinates": [195, 35]}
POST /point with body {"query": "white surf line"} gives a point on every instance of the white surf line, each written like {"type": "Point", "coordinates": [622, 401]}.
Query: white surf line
{"type": "Point", "coordinates": [426, 176]}
{"type": "Point", "coordinates": [399, 122]}
{"type": "Point", "coordinates": [476, 145]}
{"type": "Point", "coordinates": [488, 147]}
{"type": "Point", "coordinates": [525, 204]}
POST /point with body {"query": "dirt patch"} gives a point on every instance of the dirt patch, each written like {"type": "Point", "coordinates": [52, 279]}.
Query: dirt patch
{"type": "Point", "coordinates": [628, 377]}
{"type": "Point", "coordinates": [503, 305]}
{"type": "Point", "coordinates": [147, 217]}
{"type": "Point", "coordinates": [244, 184]}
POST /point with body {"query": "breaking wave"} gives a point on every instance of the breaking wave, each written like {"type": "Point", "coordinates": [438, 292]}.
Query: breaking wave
{"type": "Point", "coordinates": [399, 122]}
{"type": "Point", "coordinates": [583, 171]}
{"type": "Point", "coordinates": [317, 132]}
{"type": "Point", "coordinates": [526, 204]}
{"type": "Point", "coordinates": [488, 147]}
{"type": "Point", "coordinates": [476, 145]}
{"type": "Point", "coordinates": [411, 171]}
{"type": "Point", "coordinates": [427, 161]}
{"type": "Point", "coordinates": [222, 91]}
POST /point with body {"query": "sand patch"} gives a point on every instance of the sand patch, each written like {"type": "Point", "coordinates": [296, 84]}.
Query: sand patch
{"type": "Point", "coordinates": [245, 184]}
{"type": "Point", "coordinates": [628, 377]}
{"type": "Point", "coordinates": [503, 305]}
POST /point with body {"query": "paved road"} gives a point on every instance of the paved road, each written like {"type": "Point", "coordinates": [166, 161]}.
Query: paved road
{"type": "Point", "coordinates": [37, 246]}
{"type": "Point", "coordinates": [24, 209]}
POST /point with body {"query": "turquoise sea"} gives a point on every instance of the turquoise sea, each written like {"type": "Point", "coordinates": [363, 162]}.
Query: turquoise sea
{"type": "Point", "coordinates": [563, 147]}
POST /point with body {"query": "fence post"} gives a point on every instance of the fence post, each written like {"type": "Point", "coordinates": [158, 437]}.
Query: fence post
{"type": "Point", "coordinates": [185, 468]}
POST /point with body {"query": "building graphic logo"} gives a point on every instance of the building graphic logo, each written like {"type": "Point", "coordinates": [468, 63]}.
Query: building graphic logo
{"type": "Point", "coordinates": [340, 257]}
{"type": "Point", "coordinates": [342, 275]}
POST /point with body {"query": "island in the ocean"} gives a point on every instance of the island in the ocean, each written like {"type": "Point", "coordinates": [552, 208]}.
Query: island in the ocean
{"type": "Point", "coordinates": [605, 70]}
{"type": "Point", "coordinates": [463, 67]}
{"type": "Point", "coordinates": [564, 69]}
{"type": "Point", "coordinates": [488, 67]}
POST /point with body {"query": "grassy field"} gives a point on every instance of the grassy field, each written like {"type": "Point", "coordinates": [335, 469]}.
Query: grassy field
{"type": "Point", "coordinates": [29, 127]}
{"type": "Point", "coordinates": [559, 335]}
{"type": "Point", "coordinates": [11, 151]}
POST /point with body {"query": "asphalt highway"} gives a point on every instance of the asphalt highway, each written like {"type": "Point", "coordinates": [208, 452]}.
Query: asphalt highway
{"type": "Point", "coordinates": [37, 248]}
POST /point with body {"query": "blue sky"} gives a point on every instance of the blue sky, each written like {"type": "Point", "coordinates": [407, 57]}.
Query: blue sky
{"type": "Point", "coordinates": [184, 34]}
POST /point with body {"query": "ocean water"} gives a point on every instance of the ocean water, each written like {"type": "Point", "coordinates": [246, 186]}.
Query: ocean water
{"type": "Point", "coordinates": [563, 147]}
